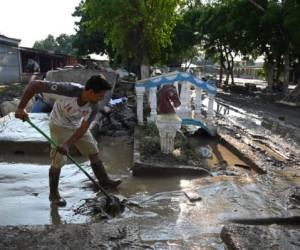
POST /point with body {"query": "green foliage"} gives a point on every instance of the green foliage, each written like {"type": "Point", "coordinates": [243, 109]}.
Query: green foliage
{"type": "Point", "coordinates": [62, 44]}
{"type": "Point", "coordinates": [46, 44]}
{"type": "Point", "coordinates": [65, 44]}
{"type": "Point", "coordinates": [150, 129]}
{"type": "Point", "coordinates": [136, 29]}
{"type": "Point", "coordinates": [150, 143]}
{"type": "Point", "coordinates": [184, 43]}
{"type": "Point", "coordinates": [291, 23]}
{"type": "Point", "coordinates": [85, 41]}
{"type": "Point", "coordinates": [261, 73]}
{"type": "Point", "coordinates": [172, 31]}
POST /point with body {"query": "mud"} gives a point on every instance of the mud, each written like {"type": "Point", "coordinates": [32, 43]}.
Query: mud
{"type": "Point", "coordinates": [250, 237]}
{"type": "Point", "coordinates": [70, 236]}
{"type": "Point", "coordinates": [161, 214]}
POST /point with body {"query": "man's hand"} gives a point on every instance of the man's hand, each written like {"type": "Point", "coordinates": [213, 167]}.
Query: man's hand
{"type": "Point", "coordinates": [21, 114]}
{"type": "Point", "coordinates": [63, 148]}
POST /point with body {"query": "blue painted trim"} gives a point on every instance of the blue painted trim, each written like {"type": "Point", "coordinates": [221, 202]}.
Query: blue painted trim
{"type": "Point", "coordinates": [179, 76]}
{"type": "Point", "coordinates": [189, 121]}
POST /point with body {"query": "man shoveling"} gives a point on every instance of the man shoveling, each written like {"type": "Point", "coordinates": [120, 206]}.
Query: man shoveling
{"type": "Point", "coordinates": [69, 124]}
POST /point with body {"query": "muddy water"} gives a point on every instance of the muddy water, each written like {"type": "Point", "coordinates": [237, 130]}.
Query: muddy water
{"type": "Point", "coordinates": [24, 192]}
{"type": "Point", "coordinates": [166, 217]}
{"type": "Point", "coordinates": [221, 155]}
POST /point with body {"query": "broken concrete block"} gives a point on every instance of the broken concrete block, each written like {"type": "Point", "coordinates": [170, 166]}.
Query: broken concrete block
{"type": "Point", "coordinates": [192, 195]}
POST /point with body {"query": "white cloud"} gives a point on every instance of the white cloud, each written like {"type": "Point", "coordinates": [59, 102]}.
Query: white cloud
{"type": "Point", "coordinates": [31, 20]}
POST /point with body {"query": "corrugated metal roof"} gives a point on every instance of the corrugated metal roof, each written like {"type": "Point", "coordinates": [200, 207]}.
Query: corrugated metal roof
{"type": "Point", "coordinates": [9, 41]}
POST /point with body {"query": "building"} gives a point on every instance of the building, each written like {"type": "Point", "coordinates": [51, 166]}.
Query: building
{"type": "Point", "coordinates": [17, 64]}
{"type": "Point", "coordinates": [41, 61]}
{"type": "Point", "coordinates": [10, 60]}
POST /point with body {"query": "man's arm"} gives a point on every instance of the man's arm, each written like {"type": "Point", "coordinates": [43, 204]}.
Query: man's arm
{"type": "Point", "coordinates": [38, 86]}
{"type": "Point", "coordinates": [31, 89]}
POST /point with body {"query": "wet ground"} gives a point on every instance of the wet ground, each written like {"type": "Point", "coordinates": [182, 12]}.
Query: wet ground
{"type": "Point", "coordinates": [24, 183]}
{"type": "Point", "coordinates": [165, 217]}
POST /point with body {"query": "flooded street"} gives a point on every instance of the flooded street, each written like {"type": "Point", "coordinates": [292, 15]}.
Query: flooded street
{"type": "Point", "coordinates": [160, 207]}
{"type": "Point", "coordinates": [164, 214]}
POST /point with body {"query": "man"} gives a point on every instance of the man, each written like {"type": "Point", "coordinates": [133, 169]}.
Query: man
{"type": "Point", "coordinates": [69, 124]}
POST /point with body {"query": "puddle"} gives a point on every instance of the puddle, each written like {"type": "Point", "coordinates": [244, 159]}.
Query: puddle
{"type": "Point", "coordinates": [24, 195]}
{"type": "Point", "coordinates": [255, 123]}
{"type": "Point", "coordinates": [165, 216]}
{"type": "Point", "coordinates": [221, 155]}
{"type": "Point", "coordinates": [24, 183]}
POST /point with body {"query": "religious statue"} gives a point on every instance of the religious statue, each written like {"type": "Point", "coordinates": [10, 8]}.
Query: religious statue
{"type": "Point", "coordinates": [167, 99]}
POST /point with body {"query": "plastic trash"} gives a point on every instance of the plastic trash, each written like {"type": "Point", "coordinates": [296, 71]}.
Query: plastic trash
{"type": "Point", "coordinates": [205, 152]}
{"type": "Point", "coordinates": [118, 100]}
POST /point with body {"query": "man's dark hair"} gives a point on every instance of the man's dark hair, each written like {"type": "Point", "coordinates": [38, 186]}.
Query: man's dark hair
{"type": "Point", "coordinates": [97, 83]}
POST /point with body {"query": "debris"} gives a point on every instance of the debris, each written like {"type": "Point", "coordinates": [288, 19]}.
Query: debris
{"type": "Point", "coordinates": [205, 152]}
{"type": "Point", "coordinates": [242, 166]}
{"type": "Point", "coordinates": [192, 195]}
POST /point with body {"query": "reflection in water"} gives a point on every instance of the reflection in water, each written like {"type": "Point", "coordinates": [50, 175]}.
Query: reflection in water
{"type": "Point", "coordinates": [55, 217]}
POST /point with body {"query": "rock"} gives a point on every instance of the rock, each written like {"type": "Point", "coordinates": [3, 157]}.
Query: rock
{"type": "Point", "coordinates": [238, 136]}
{"type": "Point", "coordinates": [266, 237]}
{"type": "Point", "coordinates": [7, 107]}
{"type": "Point", "coordinates": [192, 195]}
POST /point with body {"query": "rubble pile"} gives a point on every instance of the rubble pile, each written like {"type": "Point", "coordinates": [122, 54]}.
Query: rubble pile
{"type": "Point", "coordinates": [120, 121]}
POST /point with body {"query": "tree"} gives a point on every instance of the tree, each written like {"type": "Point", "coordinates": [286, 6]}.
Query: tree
{"type": "Point", "coordinates": [283, 20]}
{"type": "Point", "coordinates": [65, 44]}
{"type": "Point", "coordinates": [88, 41]}
{"type": "Point", "coordinates": [62, 44]}
{"type": "Point", "coordinates": [136, 29]}
{"type": "Point", "coordinates": [46, 44]}
{"type": "Point", "coordinates": [218, 35]}
{"type": "Point", "coordinates": [185, 42]}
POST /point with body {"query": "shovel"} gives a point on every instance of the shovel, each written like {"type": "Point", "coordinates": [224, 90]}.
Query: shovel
{"type": "Point", "coordinates": [113, 204]}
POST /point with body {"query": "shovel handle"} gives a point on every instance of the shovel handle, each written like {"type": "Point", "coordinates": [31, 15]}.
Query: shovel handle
{"type": "Point", "coordinates": [70, 158]}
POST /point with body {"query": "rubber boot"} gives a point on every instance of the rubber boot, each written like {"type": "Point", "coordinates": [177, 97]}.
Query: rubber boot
{"type": "Point", "coordinates": [102, 176]}
{"type": "Point", "coordinates": [54, 196]}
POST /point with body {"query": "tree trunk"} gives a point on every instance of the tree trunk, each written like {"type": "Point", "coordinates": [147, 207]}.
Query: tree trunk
{"type": "Point", "coordinates": [145, 66]}
{"type": "Point", "coordinates": [270, 75]}
{"type": "Point", "coordinates": [231, 68]}
{"type": "Point", "coordinates": [221, 67]}
{"type": "Point", "coordinates": [286, 74]}
{"type": "Point", "coordinates": [227, 77]}
{"type": "Point", "coordinates": [277, 72]}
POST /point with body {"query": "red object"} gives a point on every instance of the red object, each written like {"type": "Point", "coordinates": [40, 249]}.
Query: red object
{"type": "Point", "coordinates": [166, 96]}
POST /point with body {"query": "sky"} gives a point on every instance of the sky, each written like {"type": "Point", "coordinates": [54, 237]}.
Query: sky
{"type": "Point", "coordinates": [32, 20]}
